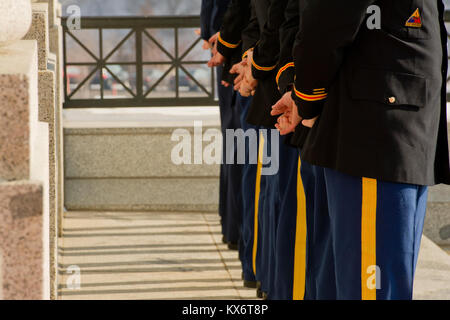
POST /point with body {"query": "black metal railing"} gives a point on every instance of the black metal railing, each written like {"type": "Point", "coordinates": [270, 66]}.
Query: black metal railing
{"type": "Point", "coordinates": [136, 62]}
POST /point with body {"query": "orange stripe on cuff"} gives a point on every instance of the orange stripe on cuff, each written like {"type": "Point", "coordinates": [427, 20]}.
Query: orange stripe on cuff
{"type": "Point", "coordinates": [308, 97]}
{"type": "Point", "coordinates": [263, 68]}
{"type": "Point", "coordinates": [280, 72]}
{"type": "Point", "coordinates": [227, 44]}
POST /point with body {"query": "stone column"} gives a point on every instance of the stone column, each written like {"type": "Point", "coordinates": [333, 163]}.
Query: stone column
{"type": "Point", "coordinates": [24, 176]}
{"type": "Point", "coordinates": [48, 113]}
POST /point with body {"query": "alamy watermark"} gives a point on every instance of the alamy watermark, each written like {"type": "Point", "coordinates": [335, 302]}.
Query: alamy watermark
{"type": "Point", "coordinates": [374, 279]}
{"type": "Point", "coordinates": [374, 20]}
{"type": "Point", "coordinates": [241, 147]}
{"type": "Point", "coordinates": [73, 17]}
{"type": "Point", "coordinates": [73, 281]}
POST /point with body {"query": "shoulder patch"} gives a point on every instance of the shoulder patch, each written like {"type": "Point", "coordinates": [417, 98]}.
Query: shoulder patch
{"type": "Point", "coordinates": [415, 21]}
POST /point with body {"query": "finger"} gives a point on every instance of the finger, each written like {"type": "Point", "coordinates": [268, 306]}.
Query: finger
{"type": "Point", "coordinates": [213, 38]}
{"type": "Point", "coordinates": [278, 108]}
{"type": "Point", "coordinates": [237, 85]}
{"type": "Point", "coordinates": [238, 79]}
{"type": "Point", "coordinates": [235, 69]}
{"type": "Point", "coordinates": [288, 129]}
{"type": "Point", "coordinates": [206, 45]}
{"type": "Point", "coordinates": [277, 126]}
{"type": "Point", "coordinates": [309, 123]}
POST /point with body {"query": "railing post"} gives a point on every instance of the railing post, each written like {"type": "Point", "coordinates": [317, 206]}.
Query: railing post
{"type": "Point", "coordinates": [139, 65]}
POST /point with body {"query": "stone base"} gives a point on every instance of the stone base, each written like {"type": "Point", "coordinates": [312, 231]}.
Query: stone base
{"type": "Point", "coordinates": [21, 241]}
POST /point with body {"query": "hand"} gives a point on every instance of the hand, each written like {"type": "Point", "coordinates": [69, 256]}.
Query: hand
{"type": "Point", "coordinates": [225, 84]}
{"type": "Point", "coordinates": [249, 83]}
{"type": "Point", "coordinates": [217, 58]}
{"type": "Point", "coordinates": [213, 39]}
{"type": "Point", "coordinates": [239, 69]}
{"type": "Point", "coordinates": [289, 118]}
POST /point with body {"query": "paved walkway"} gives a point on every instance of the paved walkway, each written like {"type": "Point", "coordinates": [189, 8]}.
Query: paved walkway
{"type": "Point", "coordinates": [149, 256]}
{"type": "Point", "coordinates": [179, 256]}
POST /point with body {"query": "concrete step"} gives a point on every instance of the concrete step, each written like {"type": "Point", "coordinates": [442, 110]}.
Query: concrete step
{"type": "Point", "coordinates": [122, 160]}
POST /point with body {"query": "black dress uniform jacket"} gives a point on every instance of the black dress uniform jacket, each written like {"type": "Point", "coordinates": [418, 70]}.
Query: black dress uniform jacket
{"type": "Point", "coordinates": [380, 93]}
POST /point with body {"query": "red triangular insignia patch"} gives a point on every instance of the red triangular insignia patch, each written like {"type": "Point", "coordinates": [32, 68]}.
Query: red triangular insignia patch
{"type": "Point", "coordinates": [415, 21]}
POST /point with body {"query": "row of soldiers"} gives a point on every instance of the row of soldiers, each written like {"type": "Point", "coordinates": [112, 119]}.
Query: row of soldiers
{"type": "Point", "coordinates": [361, 112]}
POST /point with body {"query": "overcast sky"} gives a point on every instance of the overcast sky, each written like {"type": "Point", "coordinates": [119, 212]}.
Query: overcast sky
{"type": "Point", "coordinates": [134, 7]}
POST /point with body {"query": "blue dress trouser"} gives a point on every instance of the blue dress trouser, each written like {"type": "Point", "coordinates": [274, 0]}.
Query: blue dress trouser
{"type": "Point", "coordinates": [376, 229]}
{"type": "Point", "coordinates": [249, 177]}
{"type": "Point", "coordinates": [282, 286]}
{"type": "Point", "coordinates": [320, 272]}
{"type": "Point", "coordinates": [267, 220]}
{"type": "Point", "coordinates": [230, 194]}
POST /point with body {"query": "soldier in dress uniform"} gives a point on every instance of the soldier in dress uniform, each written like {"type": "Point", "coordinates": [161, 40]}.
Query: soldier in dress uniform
{"type": "Point", "coordinates": [376, 101]}
{"type": "Point", "coordinates": [300, 271]}
{"type": "Point", "coordinates": [230, 200]}
{"type": "Point", "coordinates": [266, 206]}
{"type": "Point", "coordinates": [230, 38]}
{"type": "Point", "coordinates": [283, 244]}
{"type": "Point", "coordinates": [237, 34]}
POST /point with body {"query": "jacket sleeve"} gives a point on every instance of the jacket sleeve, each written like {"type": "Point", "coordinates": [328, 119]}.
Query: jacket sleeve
{"type": "Point", "coordinates": [220, 8]}
{"type": "Point", "coordinates": [327, 28]}
{"type": "Point", "coordinates": [288, 31]}
{"type": "Point", "coordinates": [234, 22]}
{"type": "Point", "coordinates": [205, 18]}
{"type": "Point", "coordinates": [250, 35]}
{"type": "Point", "coordinates": [266, 52]}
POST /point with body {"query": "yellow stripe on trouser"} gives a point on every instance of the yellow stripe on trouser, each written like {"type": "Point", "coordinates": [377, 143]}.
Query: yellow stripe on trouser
{"type": "Point", "coordinates": [300, 241]}
{"type": "Point", "coordinates": [368, 239]}
{"type": "Point", "coordinates": [257, 192]}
